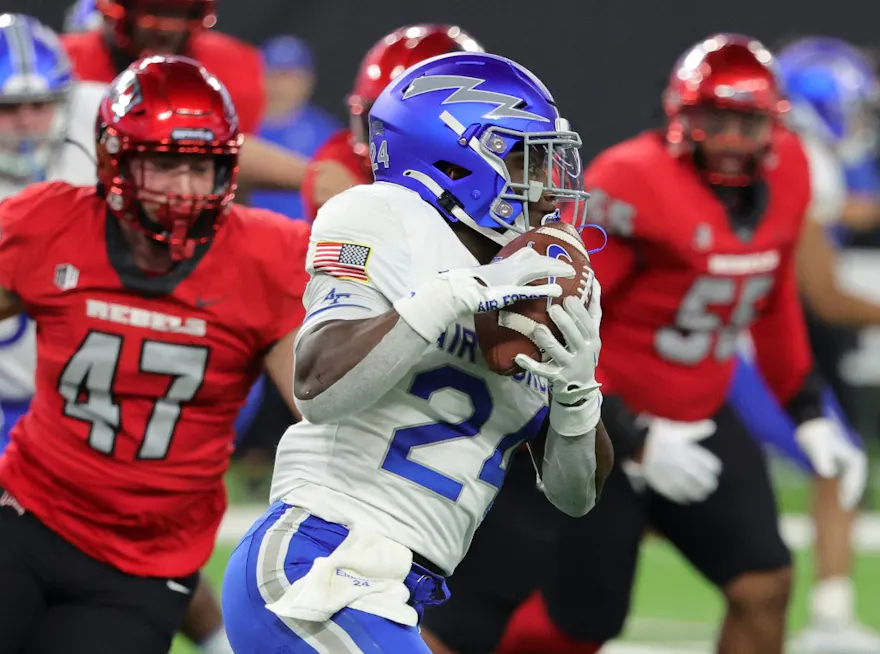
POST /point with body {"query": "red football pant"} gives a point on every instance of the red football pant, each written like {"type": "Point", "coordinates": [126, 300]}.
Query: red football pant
{"type": "Point", "coordinates": [531, 631]}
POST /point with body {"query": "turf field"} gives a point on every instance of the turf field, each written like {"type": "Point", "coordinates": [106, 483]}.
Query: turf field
{"type": "Point", "coordinates": [675, 611]}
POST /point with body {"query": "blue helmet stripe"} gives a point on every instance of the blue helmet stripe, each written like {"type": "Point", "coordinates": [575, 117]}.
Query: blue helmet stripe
{"type": "Point", "coordinates": [22, 48]}
{"type": "Point", "coordinates": [30, 51]}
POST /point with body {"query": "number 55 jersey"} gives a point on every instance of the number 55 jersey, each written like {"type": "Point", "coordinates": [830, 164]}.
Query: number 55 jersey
{"type": "Point", "coordinates": [682, 279]}
{"type": "Point", "coordinates": [139, 378]}
{"type": "Point", "coordinates": [422, 464]}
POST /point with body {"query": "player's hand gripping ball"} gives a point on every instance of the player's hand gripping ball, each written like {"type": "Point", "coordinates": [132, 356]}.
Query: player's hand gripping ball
{"type": "Point", "coordinates": [505, 333]}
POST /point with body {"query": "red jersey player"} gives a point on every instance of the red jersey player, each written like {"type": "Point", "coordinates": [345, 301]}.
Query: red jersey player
{"type": "Point", "coordinates": [703, 219]}
{"type": "Point", "coordinates": [170, 27]}
{"type": "Point", "coordinates": [134, 28]}
{"type": "Point", "coordinates": [156, 300]}
{"type": "Point", "coordinates": [346, 154]}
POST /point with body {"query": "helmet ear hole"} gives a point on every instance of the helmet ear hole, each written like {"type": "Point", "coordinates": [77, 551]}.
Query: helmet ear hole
{"type": "Point", "coordinates": [451, 170]}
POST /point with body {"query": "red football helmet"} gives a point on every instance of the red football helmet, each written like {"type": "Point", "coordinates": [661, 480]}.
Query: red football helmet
{"type": "Point", "coordinates": [167, 105]}
{"type": "Point", "coordinates": [122, 16]}
{"type": "Point", "coordinates": [389, 57]}
{"type": "Point", "coordinates": [723, 102]}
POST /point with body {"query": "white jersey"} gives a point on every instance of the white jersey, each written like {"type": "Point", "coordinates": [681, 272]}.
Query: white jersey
{"type": "Point", "coordinates": [423, 464]}
{"type": "Point", "coordinates": [75, 163]}
{"type": "Point", "coordinates": [827, 182]}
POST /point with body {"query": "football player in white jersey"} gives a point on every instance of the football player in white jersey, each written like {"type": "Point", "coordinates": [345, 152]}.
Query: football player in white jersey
{"type": "Point", "coordinates": [407, 433]}
{"type": "Point", "coordinates": [46, 125]}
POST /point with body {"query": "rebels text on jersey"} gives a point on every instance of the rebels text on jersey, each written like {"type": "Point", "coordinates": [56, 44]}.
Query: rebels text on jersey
{"type": "Point", "coordinates": [422, 464]}
{"type": "Point", "coordinates": [139, 379]}
{"type": "Point", "coordinates": [337, 148]}
{"type": "Point", "coordinates": [680, 283]}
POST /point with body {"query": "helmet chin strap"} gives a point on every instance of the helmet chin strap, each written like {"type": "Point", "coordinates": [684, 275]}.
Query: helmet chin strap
{"type": "Point", "coordinates": [501, 238]}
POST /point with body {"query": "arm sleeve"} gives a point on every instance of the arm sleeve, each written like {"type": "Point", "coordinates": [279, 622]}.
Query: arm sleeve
{"type": "Point", "coordinates": [18, 235]}
{"type": "Point", "coordinates": [307, 192]}
{"type": "Point", "coordinates": [286, 278]}
{"type": "Point", "coordinates": [827, 183]}
{"type": "Point", "coordinates": [568, 472]}
{"type": "Point", "coordinates": [782, 348]}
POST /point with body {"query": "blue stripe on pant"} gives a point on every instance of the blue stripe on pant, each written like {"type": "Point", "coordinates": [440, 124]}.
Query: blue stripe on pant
{"type": "Point", "coordinates": [768, 422]}
{"type": "Point", "coordinates": [12, 410]}
{"type": "Point", "coordinates": [278, 550]}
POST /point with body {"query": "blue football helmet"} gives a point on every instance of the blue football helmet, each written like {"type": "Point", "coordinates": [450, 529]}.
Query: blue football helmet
{"type": "Point", "coordinates": [35, 82]}
{"type": "Point", "coordinates": [82, 16]}
{"type": "Point", "coordinates": [467, 111]}
{"type": "Point", "coordinates": [835, 95]}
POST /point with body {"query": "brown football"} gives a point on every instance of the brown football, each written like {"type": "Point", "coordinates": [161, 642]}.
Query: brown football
{"type": "Point", "coordinates": [504, 334]}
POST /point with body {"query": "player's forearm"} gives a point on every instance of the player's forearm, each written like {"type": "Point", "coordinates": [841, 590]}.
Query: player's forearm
{"type": "Point", "coordinates": [861, 213]}
{"type": "Point", "coordinates": [9, 304]}
{"type": "Point", "coordinates": [267, 166]}
{"type": "Point", "coordinates": [345, 366]}
{"type": "Point", "coordinates": [837, 307]}
{"type": "Point", "coordinates": [817, 277]}
{"type": "Point", "coordinates": [575, 466]}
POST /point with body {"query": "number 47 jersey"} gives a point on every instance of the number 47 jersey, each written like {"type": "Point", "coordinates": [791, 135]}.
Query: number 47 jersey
{"type": "Point", "coordinates": [139, 378]}
{"type": "Point", "coordinates": [681, 280]}
{"type": "Point", "coordinates": [422, 464]}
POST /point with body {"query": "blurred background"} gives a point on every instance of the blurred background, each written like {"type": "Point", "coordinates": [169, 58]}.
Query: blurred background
{"type": "Point", "coordinates": [606, 63]}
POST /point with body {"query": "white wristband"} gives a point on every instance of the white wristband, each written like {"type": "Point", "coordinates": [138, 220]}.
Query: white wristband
{"type": "Point", "coordinates": [429, 310]}
{"type": "Point", "coordinates": [576, 420]}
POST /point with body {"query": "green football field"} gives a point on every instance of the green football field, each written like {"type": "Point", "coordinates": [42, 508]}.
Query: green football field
{"type": "Point", "coordinates": [675, 611]}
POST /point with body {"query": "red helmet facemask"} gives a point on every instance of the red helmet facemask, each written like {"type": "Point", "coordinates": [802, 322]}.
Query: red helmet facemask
{"type": "Point", "coordinates": [173, 17]}
{"type": "Point", "coordinates": [389, 57]}
{"type": "Point", "coordinates": [162, 106]}
{"type": "Point", "coordinates": [723, 103]}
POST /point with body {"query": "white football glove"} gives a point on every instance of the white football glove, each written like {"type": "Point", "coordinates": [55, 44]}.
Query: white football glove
{"type": "Point", "coordinates": [453, 294]}
{"type": "Point", "coordinates": [674, 464]}
{"type": "Point", "coordinates": [833, 455]}
{"type": "Point", "coordinates": [570, 367]}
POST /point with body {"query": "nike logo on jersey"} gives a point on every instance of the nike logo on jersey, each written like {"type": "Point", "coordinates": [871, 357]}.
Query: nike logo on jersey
{"type": "Point", "coordinates": [177, 587]}
{"type": "Point", "coordinates": [201, 303]}
{"type": "Point", "coordinates": [153, 320]}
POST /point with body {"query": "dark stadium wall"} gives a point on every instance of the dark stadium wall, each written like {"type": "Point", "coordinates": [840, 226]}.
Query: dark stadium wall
{"type": "Point", "coordinates": [605, 60]}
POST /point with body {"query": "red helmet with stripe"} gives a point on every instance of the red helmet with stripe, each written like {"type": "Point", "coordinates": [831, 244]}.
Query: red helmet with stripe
{"type": "Point", "coordinates": [167, 105]}
{"type": "Point", "coordinates": [722, 103]}
{"type": "Point", "coordinates": [389, 57]}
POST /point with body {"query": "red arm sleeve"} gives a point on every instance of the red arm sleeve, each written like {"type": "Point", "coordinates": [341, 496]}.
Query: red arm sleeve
{"type": "Point", "coordinates": [287, 280]}
{"type": "Point", "coordinates": [307, 193]}
{"type": "Point", "coordinates": [252, 107]}
{"type": "Point", "coordinates": [18, 216]}
{"type": "Point", "coordinates": [782, 347]}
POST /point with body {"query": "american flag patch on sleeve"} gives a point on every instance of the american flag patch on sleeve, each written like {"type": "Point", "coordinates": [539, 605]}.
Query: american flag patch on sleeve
{"type": "Point", "coordinates": [342, 260]}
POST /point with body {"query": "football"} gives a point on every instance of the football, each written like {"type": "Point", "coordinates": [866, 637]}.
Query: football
{"type": "Point", "coordinates": [503, 334]}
